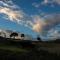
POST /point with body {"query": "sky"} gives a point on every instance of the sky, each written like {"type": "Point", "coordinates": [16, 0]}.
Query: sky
{"type": "Point", "coordinates": [33, 17]}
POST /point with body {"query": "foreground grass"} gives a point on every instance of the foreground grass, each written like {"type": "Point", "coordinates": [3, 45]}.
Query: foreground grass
{"type": "Point", "coordinates": [15, 53]}
{"type": "Point", "coordinates": [12, 48]}
{"type": "Point", "coordinates": [42, 51]}
{"type": "Point", "coordinates": [50, 47]}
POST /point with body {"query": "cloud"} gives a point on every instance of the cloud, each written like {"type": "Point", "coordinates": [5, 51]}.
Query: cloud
{"type": "Point", "coordinates": [35, 4]}
{"type": "Point", "coordinates": [38, 23]}
{"type": "Point", "coordinates": [53, 34]}
{"type": "Point", "coordinates": [51, 28]}
{"type": "Point", "coordinates": [51, 2]}
{"type": "Point", "coordinates": [15, 14]}
{"type": "Point", "coordinates": [52, 19]}
{"type": "Point", "coordinates": [56, 1]}
{"type": "Point", "coordinates": [47, 26]}
{"type": "Point", "coordinates": [12, 15]}
{"type": "Point", "coordinates": [46, 2]}
{"type": "Point", "coordinates": [12, 12]}
{"type": "Point", "coordinates": [42, 25]}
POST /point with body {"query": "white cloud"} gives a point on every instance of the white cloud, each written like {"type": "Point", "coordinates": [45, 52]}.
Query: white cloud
{"type": "Point", "coordinates": [46, 2]}
{"type": "Point", "coordinates": [52, 21]}
{"type": "Point", "coordinates": [12, 13]}
{"type": "Point", "coordinates": [35, 5]}
{"type": "Point", "coordinates": [15, 14]}
{"type": "Point", "coordinates": [57, 1]}
{"type": "Point", "coordinates": [38, 23]}
{"type": "Point", "coordinates": [53, 34]}
{"type": "Point", "coordinates": [51, 1]}
{"type": "Point", "coordinates": [45, 25]}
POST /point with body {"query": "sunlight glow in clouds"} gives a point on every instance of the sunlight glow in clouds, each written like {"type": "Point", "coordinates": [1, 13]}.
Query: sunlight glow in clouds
{"type": "Point", "coordinates": [19, 17]}
{"type": "Point", "coordinates": [11, 11]}
{"type": "Point", "coordinates": [12, 15]}
{"type": "Point", "coordinates": [38, 24]}
{"type": "Point", "coordinates": [15, 14]}
{"type": "Point", "coordinates": [47, 25]}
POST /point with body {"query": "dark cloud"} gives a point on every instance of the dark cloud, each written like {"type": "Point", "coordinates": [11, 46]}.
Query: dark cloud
{"type": "Point", "coordinates": [52, 21]}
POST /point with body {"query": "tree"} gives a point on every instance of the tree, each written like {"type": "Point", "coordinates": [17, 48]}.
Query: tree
{"type": "Point", "coordinates": [22, 36]}
{"type": "Point", "coordinates": [38, 38]}
{"type": "Point", "coordinates": [14, 34]}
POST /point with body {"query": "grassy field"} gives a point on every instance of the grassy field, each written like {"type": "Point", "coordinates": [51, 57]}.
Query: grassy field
{"type": "Point", "coordinates": [50, 47]}
{"type": "Point", "coordinates": [12, 48]}
{"type": "Point", "coordinates": [17, 51]}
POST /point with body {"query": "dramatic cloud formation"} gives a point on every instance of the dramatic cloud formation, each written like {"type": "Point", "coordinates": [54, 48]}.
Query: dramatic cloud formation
{"type": "Point", "coordinates": [45, 26]}
{"type": "Point", "coordinates": [51, 28]}
{"type": "Point", "coordinates": [10, 12]}
{"type": "Point", "coordinates": [17, 15]}
{"type": "Point", "coordinates": [52, 20]}
{"type": "Point", "coordinates": [38, 23]}
{"type": "Point", "coordinates": [14, 13]}
{"type": "Point", "coordinates": [45, 22]}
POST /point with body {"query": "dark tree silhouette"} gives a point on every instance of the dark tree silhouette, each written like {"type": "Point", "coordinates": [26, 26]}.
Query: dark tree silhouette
{"type": "Point", "coordinates": [22, 36]}
{"type": "Point", "coordinates": [38, 38]}
{"type": "Point", "coordinates": [14, 34]}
